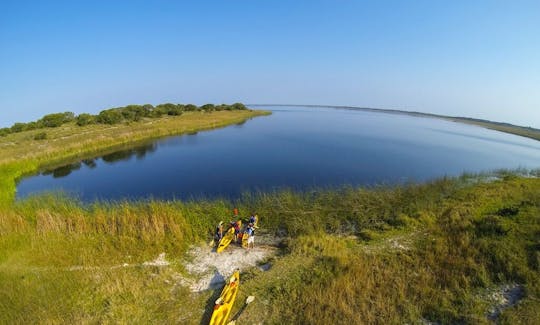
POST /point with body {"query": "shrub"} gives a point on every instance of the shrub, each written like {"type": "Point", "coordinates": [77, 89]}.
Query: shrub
{"type": "Point", "coordinates": [18, 127]}
{"type": "Point", "coordinates": [40, 136]}
{"type": "Point", "coordinates": [190, 107]}
{"type": "Point", "coordinates": [4, 132]}
{"type": "Point", "coordinates": [208, 107]}
{"type": "Point", "coordinates": [109, 116]}
{"type": "Point", "coordinates": [148, 108]}
{"type": "Point", "coordinates": [85, 119]}
{"type": "Point", "coordinates": [135, 112]}
{"type": "Point", "coordinates": [56, 119]}
{"type": "Point", "coordinates": [239, 106]}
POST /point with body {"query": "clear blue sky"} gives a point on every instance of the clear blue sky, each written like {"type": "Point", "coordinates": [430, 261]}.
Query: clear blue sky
{"type": "Point", "coordinates": [467, 58]}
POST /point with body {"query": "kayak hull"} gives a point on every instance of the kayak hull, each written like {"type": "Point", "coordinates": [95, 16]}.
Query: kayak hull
{"type": "Point", "coordinates": [226, 240]}
{"type": "Point", "coordinates": [224, 304]}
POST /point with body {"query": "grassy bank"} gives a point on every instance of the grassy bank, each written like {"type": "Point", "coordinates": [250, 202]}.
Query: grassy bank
{"type": "Point", "coordinates": [21, 153]}
{"type": "Point", "coordinates": [382, 255]}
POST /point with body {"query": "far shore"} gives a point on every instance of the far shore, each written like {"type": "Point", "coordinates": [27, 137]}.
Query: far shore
{"type": "Point", "coordinates": [523, 131]}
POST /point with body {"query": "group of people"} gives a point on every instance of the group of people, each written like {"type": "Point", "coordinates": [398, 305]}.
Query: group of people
{"type": "Point", "coordinates": [238, 233]}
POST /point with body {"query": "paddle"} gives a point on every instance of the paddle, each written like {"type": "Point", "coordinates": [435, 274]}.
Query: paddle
{"type": "Point", "coordinates": [248, 301]}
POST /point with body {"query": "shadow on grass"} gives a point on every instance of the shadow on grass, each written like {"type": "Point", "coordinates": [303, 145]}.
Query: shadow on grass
{"type": "Point", "coordinates": [210, 306]}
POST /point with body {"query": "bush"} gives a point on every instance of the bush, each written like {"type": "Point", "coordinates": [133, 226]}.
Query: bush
{"type": "Point", "coordinates": [109, 116]}
{"type": "Point", "coordinates": [33, 126]}
{"type": "Point", "coordinates": [85, 119]}
{"type": "Point", "coordinates": [239, 106]}
{"type": "Point", "coordinates": [190, 108]}
{"type": "Point", "coordinates": [4, 132]}
{"type": "Point", "coordinates": [18, 127]}
{"type": "Point", "coordinates": [134, 112]}
{"type": "Point", "coordinates": [208, 107]}
{"type": "Point", "coordinates": [56, 119]}
{"type": "Point", "coordinates": [148, 108]}
{"type": "Point", "coordinates": [40, 136]}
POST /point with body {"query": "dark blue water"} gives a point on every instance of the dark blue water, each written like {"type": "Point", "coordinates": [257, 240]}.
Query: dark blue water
{"type": "Point", "coordinates": [297, 148]}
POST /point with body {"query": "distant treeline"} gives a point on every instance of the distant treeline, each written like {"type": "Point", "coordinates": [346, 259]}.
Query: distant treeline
{"type": "Point", "coordinates": [130, 113]}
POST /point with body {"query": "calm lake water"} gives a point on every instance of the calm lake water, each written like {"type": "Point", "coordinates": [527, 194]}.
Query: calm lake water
{"type": "Point", "coordinates": [295, 147]}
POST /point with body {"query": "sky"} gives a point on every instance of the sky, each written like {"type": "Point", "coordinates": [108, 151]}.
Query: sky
{"type": "Point", "coordinates": [461, 58]}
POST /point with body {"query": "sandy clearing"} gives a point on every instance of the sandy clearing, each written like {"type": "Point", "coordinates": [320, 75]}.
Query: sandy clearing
{"type": "Point", "coordinates": [208, 269]}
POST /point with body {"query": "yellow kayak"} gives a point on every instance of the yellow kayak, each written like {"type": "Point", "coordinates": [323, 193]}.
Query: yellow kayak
{"type": "Point", "coordinates": [245, 238]}
{"type": "Point", "coordinates": [226, 240]}
{"type": "Point", "coordinates": [224, 303]}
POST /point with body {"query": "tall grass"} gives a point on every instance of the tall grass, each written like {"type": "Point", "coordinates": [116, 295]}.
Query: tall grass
{"type": "Point", "coordinates": [380, 255]}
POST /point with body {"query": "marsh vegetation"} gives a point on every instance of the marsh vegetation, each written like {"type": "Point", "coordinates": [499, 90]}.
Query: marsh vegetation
{"type": "Point", "coordinates": [384, 254]}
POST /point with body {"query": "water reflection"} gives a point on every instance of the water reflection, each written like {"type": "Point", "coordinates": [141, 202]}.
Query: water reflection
{"type": "Point", "coordinates": [123, 155]}
{"type": "Point", "coordinates": [90, 163]}
{"type": "Point", "coordinates": [63, 171]}
{"type": "Point", "coordinates": [293, 148]}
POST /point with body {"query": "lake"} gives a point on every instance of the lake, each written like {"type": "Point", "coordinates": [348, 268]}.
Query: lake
{"type": "Point", "coordinates": [296, 147]}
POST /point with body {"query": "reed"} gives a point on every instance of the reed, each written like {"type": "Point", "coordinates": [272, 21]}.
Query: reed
{"type": "Point", "coordinates": [353, 255]}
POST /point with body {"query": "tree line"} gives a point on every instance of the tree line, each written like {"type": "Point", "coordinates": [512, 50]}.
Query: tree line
{"type": "Point", "coordinates": [129, 113]}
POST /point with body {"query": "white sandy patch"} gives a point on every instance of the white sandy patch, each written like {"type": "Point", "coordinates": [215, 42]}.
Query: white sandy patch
{"type": "Point", "coordinates": [159, 261]}
{"type": "Point", "coordinates": [210, 268]}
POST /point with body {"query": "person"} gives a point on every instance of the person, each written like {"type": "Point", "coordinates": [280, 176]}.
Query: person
{"type": "Point", "coordinates": [219, 231]}
{"type": "Point", "coordinates": [235, 212]}
{"type": "Point", "coordinates": [251, 239]}
{"type": "Point", "coordinates": [254, 219]}
{"type": "Point", "coordinates": [236, 225]}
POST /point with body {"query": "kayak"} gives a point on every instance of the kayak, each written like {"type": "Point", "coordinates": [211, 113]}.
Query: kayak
{"type": "Point", "coordinates": [226, 240]}
{"type": "Point", "coordinates": [224, 303]}
{"type": "Point", "coordinates": [245, 237]}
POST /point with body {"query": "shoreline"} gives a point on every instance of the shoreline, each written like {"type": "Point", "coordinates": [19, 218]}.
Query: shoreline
{"type": "Point", "coordinates": [465, 239]}
{"type": "Point", "coordinates": [89, 141]}
{"type": "Point", "coordinates": [522, 131]}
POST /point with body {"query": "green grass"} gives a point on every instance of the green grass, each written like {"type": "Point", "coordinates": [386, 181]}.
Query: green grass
{"type": "Point", "coordinates": [21, 154]}
{"type": "Point", "coordinates": [355, 255]}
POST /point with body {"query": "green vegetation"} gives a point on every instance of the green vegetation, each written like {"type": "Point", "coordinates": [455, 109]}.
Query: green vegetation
{"type": "Point", "coordinates": [355, 255]}
{"type": "Point", "coordinates": [80, 137]}
{"type": "Point", "coordinates": [130, 113]}
{"type": "Point", "coordinates": [404, 254]}
{"type": "Point", "coordinates": [40, 136]}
